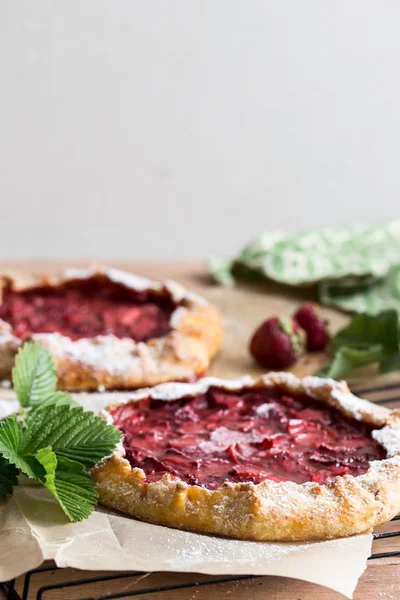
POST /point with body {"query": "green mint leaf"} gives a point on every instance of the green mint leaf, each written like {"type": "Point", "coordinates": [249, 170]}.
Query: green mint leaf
{"type": "Point", "coordinates": [346, 359]}
{"type": "Point", "coordinates": [367, 339]}
{"type": "Point", "coordinates": [8, 478]}
{"type": "Point", "coordinates": [71, 432]}
{"type": "Point", "coordinates": [59, 441]}
{"type": "Point", "coordinates": [70, 483]}
{"type": "Point", "coordinates": [366, 330]}
{"type": "Point", "coordinates": [34, 375]}
{"type": "Point", "coordinates": [11, 441]}
{"type": "Point", "coordinates": [55, 399]}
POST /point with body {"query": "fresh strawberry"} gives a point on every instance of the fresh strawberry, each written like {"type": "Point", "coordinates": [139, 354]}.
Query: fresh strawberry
{"type": "Point", "coordinates": [315, 326]}
{"type": "Point", "coordinates": [277, 343]}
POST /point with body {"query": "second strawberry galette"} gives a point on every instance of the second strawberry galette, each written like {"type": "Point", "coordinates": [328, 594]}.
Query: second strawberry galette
{"type": "Point", "coordinates": [280, 458]}
{"type": "Point", "coordinates": [107, 328]}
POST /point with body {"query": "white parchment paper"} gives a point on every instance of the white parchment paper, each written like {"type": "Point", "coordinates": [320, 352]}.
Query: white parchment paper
{"type": "Point", "coordinates": [33, 529]}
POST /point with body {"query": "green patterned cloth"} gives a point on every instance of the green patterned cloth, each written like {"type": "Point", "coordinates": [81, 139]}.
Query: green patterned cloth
{"type": "Point", "coordinates": [357, 269]}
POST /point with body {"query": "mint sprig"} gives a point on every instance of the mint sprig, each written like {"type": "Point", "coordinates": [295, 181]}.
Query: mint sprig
{"type": "Point", "coordinates": [8, 478]}
{"type": "Point", "coordinates": [366, 340]}
{"type": "Point", "coordinates": [53, 440]}
{"type": "Point", "coordinates": [71, 432]}
{"type": "Point", "coordinates": [11, 441]}
{"type": "Point", "coordinates": [69, 482]}
{"type": "Point", "coordinates": [34, 374]}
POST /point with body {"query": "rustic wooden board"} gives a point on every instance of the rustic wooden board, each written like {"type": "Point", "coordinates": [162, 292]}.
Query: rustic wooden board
{"type": "Point", "coordinates": [243, 307]}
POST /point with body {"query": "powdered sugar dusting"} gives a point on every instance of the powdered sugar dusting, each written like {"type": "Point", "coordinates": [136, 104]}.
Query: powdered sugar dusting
{"type": "Point", "coordinates": [177, 315]}
{"type": "Point", "coordinates": [180, 294]}
{"type": "Point", "coordinates": [117, 354]}
{"type": "Point", "coordinates": [389, 438]}
{"type": "Point", "coordinates": [176, 290]}
{"type": "Point", "coordinates": [222, 437]}
{"type": "Point", "coordinates": [173, 391]}
{"type": "Point", "coordinates": [334, 393]}
{"type": "Point", "coordinates": [360, 409]}
{"type": "Point", "coordinates": [264, 409]}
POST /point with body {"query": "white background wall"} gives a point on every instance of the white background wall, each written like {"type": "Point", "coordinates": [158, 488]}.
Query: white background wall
{"type": "Point", "coordinates": [170, 128]}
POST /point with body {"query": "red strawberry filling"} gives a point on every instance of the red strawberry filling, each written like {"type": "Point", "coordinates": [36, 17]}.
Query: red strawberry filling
{"type": "Point", "coordinates": [251, 435]}
{"type": "Point", "coordinates": [86, 310]}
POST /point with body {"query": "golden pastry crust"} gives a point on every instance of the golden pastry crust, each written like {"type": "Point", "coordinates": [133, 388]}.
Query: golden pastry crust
{"type": "Point", "coordinates": [106, 361]}
{"type": "Point", "coordinates": [283, 511]}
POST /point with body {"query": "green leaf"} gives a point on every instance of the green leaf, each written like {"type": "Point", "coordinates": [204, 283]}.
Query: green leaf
{"type": "Point", "coordinates": [70, 483]}
{"type": "Point", "coordinates": [71, 432]}
{"type": "Point", "coordinates": [367, 330]}
{"type": "Point", "coordinates": [34, 375]}
{"type": "Point", "coordinates": [367, 339]}
{"type": "Point", "coordinates": [57, 399]}
{"type": "Point", "coordinates": [8, 478]}
{"type": "Point", "coordinates": [59, 440]}
{"type": "Point", "coordinates": [346, 359]}
{"type": "Point", "coordinates": [11, 436]}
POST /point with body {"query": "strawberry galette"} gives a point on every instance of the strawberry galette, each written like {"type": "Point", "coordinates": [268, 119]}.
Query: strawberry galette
{"type": "Point", "coordinates": [107, 328]}
{"type": "Point", "coordinates": [280, 458]}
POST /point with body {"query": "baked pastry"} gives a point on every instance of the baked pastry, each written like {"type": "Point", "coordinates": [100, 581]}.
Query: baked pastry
{"type": "Point", "coordinates": [279, 459]}
{"type": "Point", "coordinates": [107, 328]}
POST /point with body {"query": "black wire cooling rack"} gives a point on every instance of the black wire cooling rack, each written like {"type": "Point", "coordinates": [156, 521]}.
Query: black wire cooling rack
{"type": "Point", "coordinates": [46, 592]}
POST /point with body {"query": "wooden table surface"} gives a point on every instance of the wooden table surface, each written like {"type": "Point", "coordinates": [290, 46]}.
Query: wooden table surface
{"type": "Point", "coordinates": [243, 307]}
